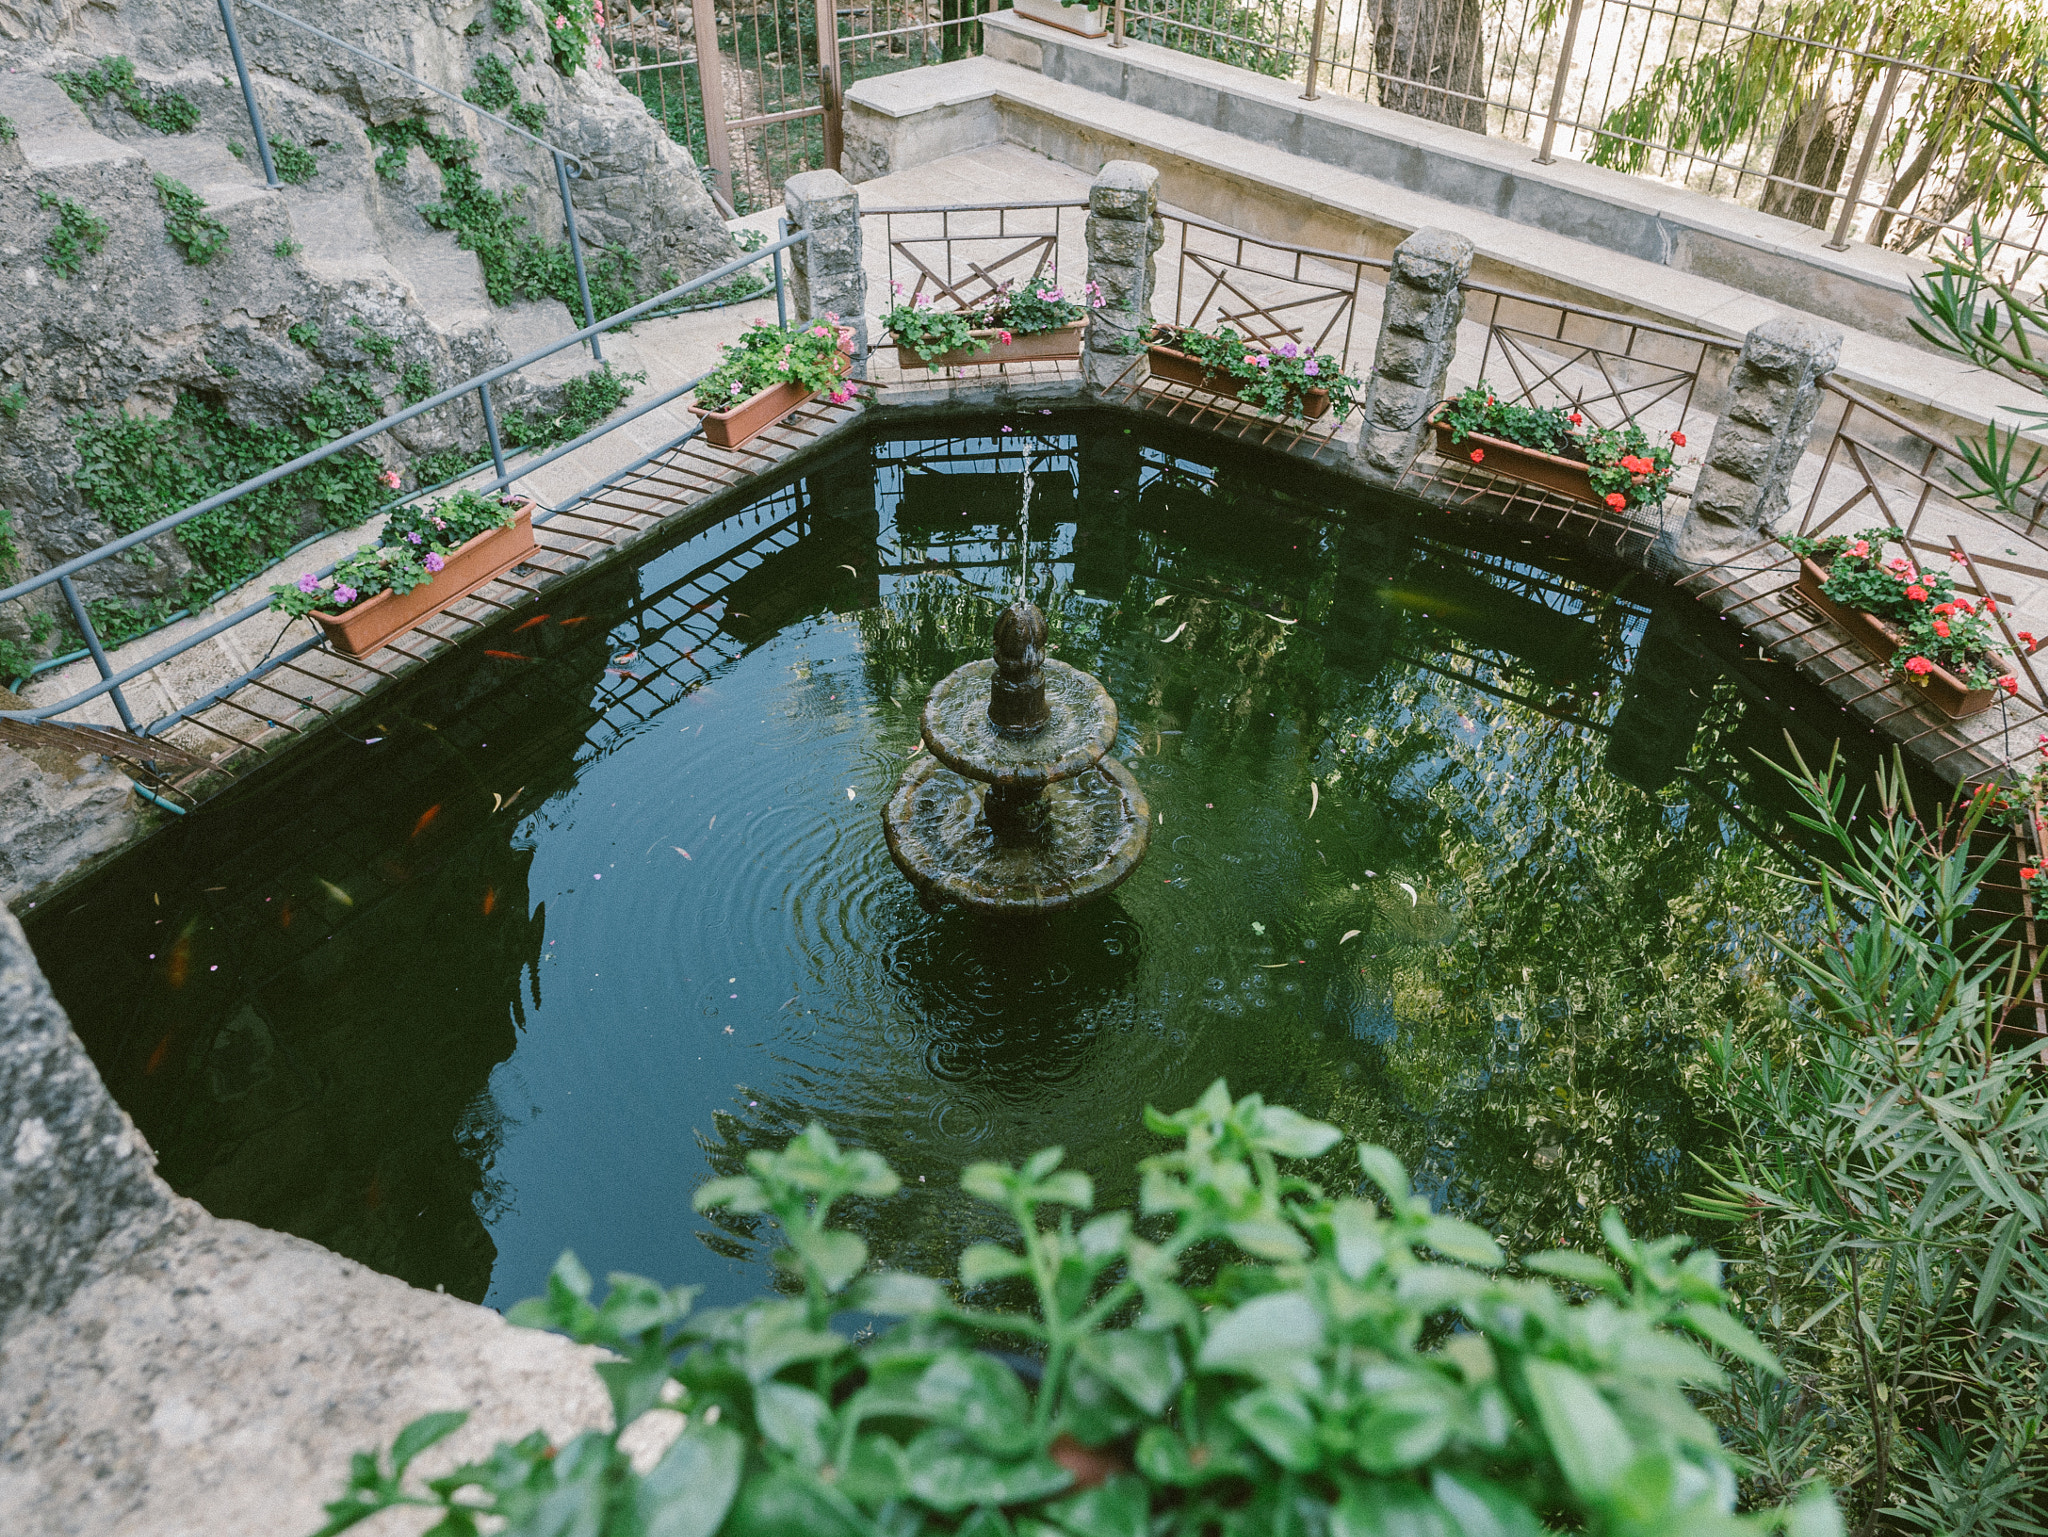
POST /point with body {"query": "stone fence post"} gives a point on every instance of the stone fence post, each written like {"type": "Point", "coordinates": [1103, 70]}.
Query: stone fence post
{"type": "Point", "coordinates": [1418, 336]}
{"type": "Point", "coordinates": [1124, 230]}
{"type": "Point", "coordinates": [826, 271]}
{"type": "Point", "coordinates": [1746, 480]}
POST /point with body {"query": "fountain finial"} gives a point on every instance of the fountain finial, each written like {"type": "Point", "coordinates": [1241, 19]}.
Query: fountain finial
{"type": "Point", "coordinates": [1016, 695]}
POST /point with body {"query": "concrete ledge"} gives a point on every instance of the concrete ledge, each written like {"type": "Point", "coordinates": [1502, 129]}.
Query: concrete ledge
{"type": "Point", "coordinates": [1633, 216]}
{"type": "Point", "coordinates": [915, 116]}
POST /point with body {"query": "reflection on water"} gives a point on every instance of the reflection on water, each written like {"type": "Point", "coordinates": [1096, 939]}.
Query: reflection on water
{"type": "Point", "coordinates": [1454, 845]}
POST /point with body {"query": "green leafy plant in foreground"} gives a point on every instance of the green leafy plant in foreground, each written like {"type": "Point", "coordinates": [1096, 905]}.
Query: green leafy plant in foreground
{"type": "Point", "coordinates": [1354, 1368]}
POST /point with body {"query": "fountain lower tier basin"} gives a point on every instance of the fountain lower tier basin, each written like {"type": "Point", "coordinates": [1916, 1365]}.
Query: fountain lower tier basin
{"type": "Point", "coordinates": [1081, 728]}
{"type": "Point", "coordinates": [1097, 827]}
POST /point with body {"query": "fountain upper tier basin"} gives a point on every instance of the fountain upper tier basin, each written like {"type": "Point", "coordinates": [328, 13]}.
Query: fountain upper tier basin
{"type": "Point", "coordinates": [1081, 728]}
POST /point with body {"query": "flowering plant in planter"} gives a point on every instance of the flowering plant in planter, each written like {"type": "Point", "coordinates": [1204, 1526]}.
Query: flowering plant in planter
{"type": "Point", "coordinates": [1246, 1354]}
{"type": "Point", "coordinates": [1938, 627]}
{"type": "Point", "coordinates": [1624, 467]}
{"type": "Point", "coordinates": [1274, 376]}
{"type": "Point", "coordinates": [929, 331]}
{"type": "Point", "coordinates": [413, 547]}
{"type": "Point", "coordinates": [811, 356]}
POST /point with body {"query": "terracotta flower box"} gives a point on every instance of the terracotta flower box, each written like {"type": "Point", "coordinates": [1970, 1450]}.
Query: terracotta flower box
{"type": "Point", "coordinates": [757, 413]}
{"type": "Point", "coordinates": [1170, 363]}
{"type": "Point", "coordinates": [1025, 347]}
{"type": "Point", "coordinates": [363, 627]}
{"type": "Point", "coordinates": [1082, 21]}
{"type": "Point", "coordinates": [1553, 472]}
{"type": "Point", "coordinates": [1874, 635]}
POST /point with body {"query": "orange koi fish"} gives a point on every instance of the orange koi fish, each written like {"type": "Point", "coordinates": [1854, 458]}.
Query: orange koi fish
{"type": "Point", "coordinates": [490, 900]}
{"type": "Point", "coordinates": [426, 817]}
{"type": "Point", "coordinates": [536, 619]}
{"type": "Point", "coordinates": [158, 1057]}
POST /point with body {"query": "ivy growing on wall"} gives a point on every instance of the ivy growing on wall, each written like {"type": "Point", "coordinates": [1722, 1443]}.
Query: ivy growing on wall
{"type": "Point", "coordinates": [187, 225]}
{"type": "Point", "coordinates": [517, 262]}
{"type": "Point", "coordinates": [135, 470]}
{"type": "Point", "coordinates": [114, 75]}
{"type": "Point", "coordinates": [77, 235]}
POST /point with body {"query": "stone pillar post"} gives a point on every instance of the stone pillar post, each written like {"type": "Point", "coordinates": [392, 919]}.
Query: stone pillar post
{"type": "Point", "coordinates": [1123, 232]}
{"type": "Point", "coordinates": [827, 274]}
{"type": "Point", "coordinates": [1418, 337]}
{"type": "Point", "coordinates": [1745, 482]}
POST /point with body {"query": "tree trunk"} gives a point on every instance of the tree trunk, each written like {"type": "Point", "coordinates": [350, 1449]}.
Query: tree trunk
{"type": "Point", "coordinates": [1812, 148]}
{"type": "Point", "coordinates": [1430, 59]}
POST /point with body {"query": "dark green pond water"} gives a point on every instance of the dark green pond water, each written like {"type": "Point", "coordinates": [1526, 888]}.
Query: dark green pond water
{"type": "Point", "coordinates": [1458, 845]}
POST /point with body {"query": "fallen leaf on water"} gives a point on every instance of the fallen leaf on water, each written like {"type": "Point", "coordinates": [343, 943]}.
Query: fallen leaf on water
{"type": "Point", "coordinates": [1258, 928]}
{"type": "Point", "coordinates": [915, 750]}
{"type": "Point", "coordinates": [1315, 797]}
{"type": "Point", "coordinates": [682, 851]}
{"type": "Point", "coordinates": [338, 894]}
{"type": "Point", "coordinates": [843, 566]}
{"type": "Point", "coordinates": [1273, 965]}
{"type": "Point", "coordinates": [1409, 889]}
{"type": "Point", "coordinates": [372, 741]}
{"type": "Point", "coordinates": [1278, 620]}
{"type": "Point", "coordinates": [714, 817]}
{"type": "Point", "coordinates": [1349, 935]}
{"type": "Point", "coordinates": [1175, 635]}
{"type": "Point", "coordinates": [1156, 602]}
{"type": "Point", "coordinates": [850, 793]}
{"type": "Point", "coordinates": [536, 619]}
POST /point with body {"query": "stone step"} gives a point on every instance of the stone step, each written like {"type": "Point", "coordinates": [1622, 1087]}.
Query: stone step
{"type": "Point", "coordinates": [51, 133]}
{"type": "Point", "coordinates": [206, 167]}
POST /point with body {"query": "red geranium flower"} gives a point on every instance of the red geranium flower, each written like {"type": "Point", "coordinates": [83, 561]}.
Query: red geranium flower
{"type": "Point", "coordinates": [1478, 454]}
{"type": "Point", "coordinates": [1917, 594]}
{"type": "Point", "coordinates": [1957, 556]}
{"type": "Point", "coordinates": [1678, 438]}
{"type": "Point", "coordinates": [1616, 500]}
{"type": "Point", "coordinates": [2027, 639]}
{"type": "Point", "coordinates": [1941, 628]}
{"type": "Point", "coordinates": [1575, 419]}
{"type": "Point", "coordinates": [1991, 605]}
{"type": "Point", "coordinates": [1919, 666]}
{"type": "Point", "coordinates": [2009, 683]}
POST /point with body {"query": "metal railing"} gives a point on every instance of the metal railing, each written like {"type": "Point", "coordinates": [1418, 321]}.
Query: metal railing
{"type": "Point", "coordinates": [566, 164]}
{"type": "Point", "coordinates": [1854, 128]}
{"type": "Point", "coordinates": [111, 682]}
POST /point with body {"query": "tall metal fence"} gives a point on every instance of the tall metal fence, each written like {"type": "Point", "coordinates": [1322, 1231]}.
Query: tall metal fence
{"type": "Point", "coordinates": [1836, 116]}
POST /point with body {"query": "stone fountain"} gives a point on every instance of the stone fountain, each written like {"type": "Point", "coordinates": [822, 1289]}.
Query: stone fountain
{"type": "Point", "coordinates": [1018, 808]}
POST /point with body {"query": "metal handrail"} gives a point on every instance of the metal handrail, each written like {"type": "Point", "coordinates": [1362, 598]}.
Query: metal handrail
{"type": "Point", "coordinates": [60, 575]}
{"type": "Point", "coordinates": [562, 158]}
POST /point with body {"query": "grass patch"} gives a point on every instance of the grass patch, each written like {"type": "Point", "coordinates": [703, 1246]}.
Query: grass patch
{"type": "Point", "coordinates": [198, 236]}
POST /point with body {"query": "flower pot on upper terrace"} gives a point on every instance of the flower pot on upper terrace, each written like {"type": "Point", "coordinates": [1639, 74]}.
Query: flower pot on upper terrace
{"type": "Point", "coordinates": [1943, 688]}
{"type": "Point", "coordinates": [1570, 478]}
{"type": "Point", "coordinates": [757, 413]}
{"type": "Point", "coordinates": [1022, 347]}
{"type": "Point", "coordinates": [362, 627]}
{"type": "Point", "coordinates": [1089, 21]}
{"type": "Point", "coordinates": [1170, 363]}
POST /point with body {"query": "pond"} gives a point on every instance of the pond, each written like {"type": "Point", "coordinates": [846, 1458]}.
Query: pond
{"type": "Point", "coordinates": [1466, 846]}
